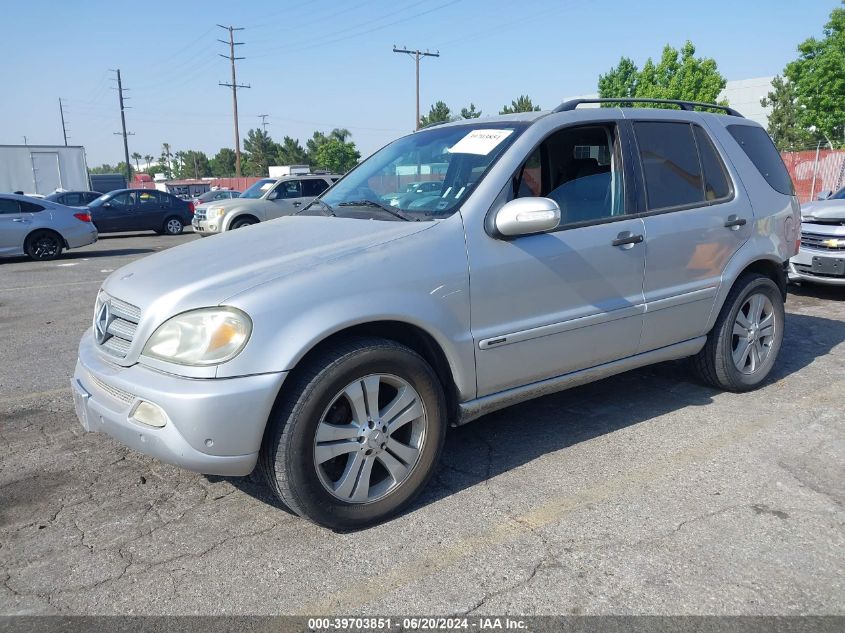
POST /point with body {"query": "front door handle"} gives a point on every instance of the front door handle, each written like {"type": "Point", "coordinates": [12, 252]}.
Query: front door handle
{"type": "Point", "coordinates": [297, 204]}
{"type": "Point", "coordinates": [734, 222]}
{"type": "Point", "coordinates": [626, 239]}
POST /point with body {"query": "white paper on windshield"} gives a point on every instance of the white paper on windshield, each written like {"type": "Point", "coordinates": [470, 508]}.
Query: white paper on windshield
{"type": "Point", "coordinates": [267, 185]}
{"type": "Point", "coordinates": [480, 142]}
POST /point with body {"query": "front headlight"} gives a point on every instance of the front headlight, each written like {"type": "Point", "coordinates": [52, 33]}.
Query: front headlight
{"type": "Point", "coordinates": [208, 336]}
{"type": "Point", "coordinates": [215, 212]}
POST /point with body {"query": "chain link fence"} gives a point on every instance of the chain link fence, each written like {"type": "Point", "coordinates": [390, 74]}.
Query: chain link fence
{"type": "Point", "coordinates": [815, 170]}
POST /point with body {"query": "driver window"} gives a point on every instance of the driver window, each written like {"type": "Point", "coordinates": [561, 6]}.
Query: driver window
{"type": "Point", "coordinates": [580, 168]}
{"type": "Point", "coordinates": [288, 189]}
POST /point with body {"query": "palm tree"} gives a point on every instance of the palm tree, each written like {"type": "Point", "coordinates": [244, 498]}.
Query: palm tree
{"type": "Point", "coordinates": [137, 158]}
{"type": "Point", "coordinates": [148, 158]}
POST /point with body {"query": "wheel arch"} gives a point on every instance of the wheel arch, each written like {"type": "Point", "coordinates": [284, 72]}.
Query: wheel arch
{"type": "Point", "coordinates": [768, 266]}
{"type": "Point", "coordinates": [44, 229]}
{"type": "Point", "coordinates": [239, 215]}
{"type": "Point", "coordinates": [408, 334]}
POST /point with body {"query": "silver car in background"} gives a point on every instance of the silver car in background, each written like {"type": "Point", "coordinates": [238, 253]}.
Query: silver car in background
{"type": "Point", "coordinates": [40, 228]}
{"type": "Point", "coordinates": [821, 259]}
{"type": "Point", "coordinates": [267, 199]}
{"type": "Point", "coordinates": [334, 347]}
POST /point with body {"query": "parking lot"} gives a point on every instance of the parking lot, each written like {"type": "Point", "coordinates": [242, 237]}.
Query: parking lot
{"type": "Point", "coordinates": [644, 493]}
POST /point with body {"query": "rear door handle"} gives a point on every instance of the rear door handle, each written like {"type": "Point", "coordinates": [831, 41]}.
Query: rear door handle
{"type": "Point", "coordinates": [627, 239]}
{"type": "Point", "coordinates": [734, 222]}
{"type": "Point", "coordinates": [19, 220]}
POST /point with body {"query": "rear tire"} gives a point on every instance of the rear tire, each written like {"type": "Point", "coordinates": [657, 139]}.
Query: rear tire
{"type": "Point", "coordinates": [743, 345]}
{"type": "Point", "coordinates": [173, 226]}
{"type": "Point", "coordinates": [355, 434]}
{"type": "Point", "coordinates": [44, 245]}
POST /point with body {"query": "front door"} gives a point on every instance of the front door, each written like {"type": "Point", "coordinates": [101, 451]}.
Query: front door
{"type": "Point", "coordinates": [287, 199]}
{"type": "Point", "coordinates": [694, 224]}
{"type": "Point", "coordinates": [546, 305]}
{"type": "Point", "coordinates": [116, 214]}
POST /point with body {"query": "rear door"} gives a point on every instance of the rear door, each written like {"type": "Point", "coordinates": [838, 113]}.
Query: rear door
{"type": "Point", "coordinates": [696, 217]}
{"type": "Point", "coordinates": [151, 210]}
{"type": "Point", "coordinates": [14, 227]}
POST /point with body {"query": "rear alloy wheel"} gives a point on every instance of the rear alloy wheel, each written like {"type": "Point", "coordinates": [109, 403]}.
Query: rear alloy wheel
{"type": "Point", "coordinates": [173, 226]}
{"type": "Point", "coordinates": [356, 433]}
{"type": "Point", "coordinates": [44, 245]}
{"type": "Point", "coordinates": [742, 346]}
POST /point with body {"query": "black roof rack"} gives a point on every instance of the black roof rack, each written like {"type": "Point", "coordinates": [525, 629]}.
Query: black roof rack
{"type": "Point", "coordinates": [566, 106]}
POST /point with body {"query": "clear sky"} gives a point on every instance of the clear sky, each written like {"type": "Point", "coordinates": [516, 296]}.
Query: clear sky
{"type": "Point", "coordinates": [321, 64]}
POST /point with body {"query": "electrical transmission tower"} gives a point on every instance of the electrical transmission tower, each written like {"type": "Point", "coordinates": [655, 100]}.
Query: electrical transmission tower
{"type": "Point", "coordinates": [124, 133]}
{"type": "Point", "coordinates": [234, 85]}
{"type": "Point", "coordinates": [62, 115]}
{"type": "Point", "coordinates": [416, 55]}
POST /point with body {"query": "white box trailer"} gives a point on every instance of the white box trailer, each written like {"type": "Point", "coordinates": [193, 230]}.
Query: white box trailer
{"type": "Point", "coordinates": [42, 169]}
{"type": "Point", "coordinates": [280, 171]}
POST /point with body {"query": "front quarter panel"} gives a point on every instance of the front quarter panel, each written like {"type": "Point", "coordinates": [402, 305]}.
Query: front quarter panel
{"type": "Point", "coordinates": [421, 280]}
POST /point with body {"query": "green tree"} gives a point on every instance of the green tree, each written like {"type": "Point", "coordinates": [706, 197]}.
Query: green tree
{"type": "Point", "coordinates": [260, 152]}
{"type": "Point", "coordinates": [336, 156]}
{"type": "Point", "coordinates": [105, 168]}
{"type": "Point", "coordinates": [438, 113]}
{"type": "Point", "coordinates": [223, 163]}
{"type": "Point", "coordinates": [193, 164]}
{"type": "Point", "coordinates": [819, 81]}
{"type": "Point", "coordinates": [470, 112]}
{"type": "Point", "coordinates": [522, 104]}
{"type": "Point", "coordinates": [784, 126]}
{"type": "Point", "coordinates": [678, 75]}
{"type": "Point", "coordinates": [166, 160]}
{"type": "Point", "coordinates": [290, 152]}
{"type": "Point", "coordinates": [148, 159]}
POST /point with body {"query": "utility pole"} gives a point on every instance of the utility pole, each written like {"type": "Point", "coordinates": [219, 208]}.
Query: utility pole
{"type": "Point", "coordinates": [62, 114]}
{"type": "Point", "coordinates": [263, 118]}
{"type": "Point", "coordinates": [416, 55]}
{"type": "Point", "coordinates": [123, 126]}
{"type": "Point", "coordinates": [234, 86]}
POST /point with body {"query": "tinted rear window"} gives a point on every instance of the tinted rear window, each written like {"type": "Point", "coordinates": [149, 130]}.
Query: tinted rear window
{"type": "Point", "coordinates": [716, 182]}
{"type": "Point", "coordinates": [759, 148]}
{"type": "Point", "coordinates": [670, 164]}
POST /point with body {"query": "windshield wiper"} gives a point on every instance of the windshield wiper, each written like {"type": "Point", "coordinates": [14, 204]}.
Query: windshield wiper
{"type": "Point", "coordinates": [326, 206]}
{"type": "Point", "coordinates": [371, 203]}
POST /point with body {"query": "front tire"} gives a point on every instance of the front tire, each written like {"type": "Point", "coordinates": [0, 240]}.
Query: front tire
{"type": "Point", "coordinates": [173, 226]}
{"type": "Point", "coordinates": [356, 434]}
{"type": "Point", "coordinates": [743, 345]}
{"type": "Point", "coordinates": [43, 246]}
{"type": "Point", "coordinates": [241, 223]}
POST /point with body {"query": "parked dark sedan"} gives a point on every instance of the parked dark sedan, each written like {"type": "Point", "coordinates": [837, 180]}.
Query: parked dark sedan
{"type": "Point", "coordinates": [74, 198]}
{"type": "Point", "coordinates": [140, 210]}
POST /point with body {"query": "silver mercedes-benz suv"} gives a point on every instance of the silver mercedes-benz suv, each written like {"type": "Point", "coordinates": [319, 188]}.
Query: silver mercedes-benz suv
{"type": "Point", "coordinates": [334, 347]}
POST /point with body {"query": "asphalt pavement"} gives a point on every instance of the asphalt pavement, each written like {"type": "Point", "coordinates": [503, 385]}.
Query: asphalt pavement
{"type": "Point", "coordinates": [646, 493]}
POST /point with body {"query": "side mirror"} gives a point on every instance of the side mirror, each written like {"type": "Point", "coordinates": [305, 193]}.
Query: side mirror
{"type": "Point", "coordinates": [824, 195]}
{"type": "Point", "coordinates": [107, 205]}
{"type": "Point", "coordinates": [273, 195]}
{"type": "Point", "coordinates": [526, 216]}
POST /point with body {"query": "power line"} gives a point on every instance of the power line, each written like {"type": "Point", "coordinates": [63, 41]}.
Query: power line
{"type": "Point", "coordinates": [125, 134]}
{"type": "Point", "coordinates": [417, 54]}
{"type": "Point", "coordinates": [62, 115]}
{"type": "Point", "coordinates": [234, 86]}
{"type": "Point", "coordinates": [263, 118]}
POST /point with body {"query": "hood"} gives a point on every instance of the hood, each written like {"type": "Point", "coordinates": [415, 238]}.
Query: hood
{"type": "Point", "coordinates": [207, 271]}
{"type": "Point", "coordinates": [231, 203]}
{"type": "Point", "coordinates": [823, 210]}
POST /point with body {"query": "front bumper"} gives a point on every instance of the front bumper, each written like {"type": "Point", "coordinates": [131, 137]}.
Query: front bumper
{"type": "Point", "coordinates": [801, 267]}
{"type": "Point", "coordinates": [213, 426]}
{"type": "Point", "coordinates": [207, 227]}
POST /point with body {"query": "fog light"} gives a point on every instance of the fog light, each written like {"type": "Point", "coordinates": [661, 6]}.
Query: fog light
{"type": "Point", "coordinates": [150, 414]}
{"type": "Point", "coordinates": [212, 227]}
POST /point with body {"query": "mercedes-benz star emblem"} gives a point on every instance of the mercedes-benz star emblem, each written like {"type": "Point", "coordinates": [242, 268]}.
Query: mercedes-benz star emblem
{"type": "Point", "coordinates": [101, 323]}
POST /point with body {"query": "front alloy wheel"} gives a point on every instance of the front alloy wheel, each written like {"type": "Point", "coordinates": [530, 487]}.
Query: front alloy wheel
{"type": "Point", "coordinates": [753, 333]}
{"type": "Point", "coordinates": [369, 440]}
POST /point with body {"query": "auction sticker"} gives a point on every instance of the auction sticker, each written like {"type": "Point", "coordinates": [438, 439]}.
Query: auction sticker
{"type": "Point", "coordinates": [480, 142]}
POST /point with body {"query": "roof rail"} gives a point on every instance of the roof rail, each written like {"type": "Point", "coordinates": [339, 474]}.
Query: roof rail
{"type": "Point", "coordinates": [566, 106]}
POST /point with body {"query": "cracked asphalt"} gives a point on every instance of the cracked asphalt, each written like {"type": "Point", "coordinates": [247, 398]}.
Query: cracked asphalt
{"type": "Point", "coordinates": [646, 493]}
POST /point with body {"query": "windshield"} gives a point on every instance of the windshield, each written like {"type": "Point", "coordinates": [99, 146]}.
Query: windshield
{"type": "Point", "coordinates": [258, 189]}
{"type": "Point", "coordinates": [423, 176]}
{"type": "Point", "coordinates": [839, 195]}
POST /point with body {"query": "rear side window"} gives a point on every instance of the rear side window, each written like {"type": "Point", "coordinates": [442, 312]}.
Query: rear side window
{"type": "Point", "coordinates": [30, 207]}
{"type": "Point", "coordinates": [717, 185]}
{"type": "Point", "coordinates": [314, 187]}
{"type": "Point", "coordinates": [759, 148]}
{"type": "Point", "coordinates": [670, 163]}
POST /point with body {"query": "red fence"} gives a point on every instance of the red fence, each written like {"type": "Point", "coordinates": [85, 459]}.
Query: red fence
{"type": "Point", "coordinates": [829, 171]}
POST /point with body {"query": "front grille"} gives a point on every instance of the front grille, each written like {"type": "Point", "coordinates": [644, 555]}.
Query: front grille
{"type": "Point", "coordinates": [115, 328]}
{"type": "Point", "coordinates": [812, 240]}
{"type": "Point", "coordinates": [199, 213]}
